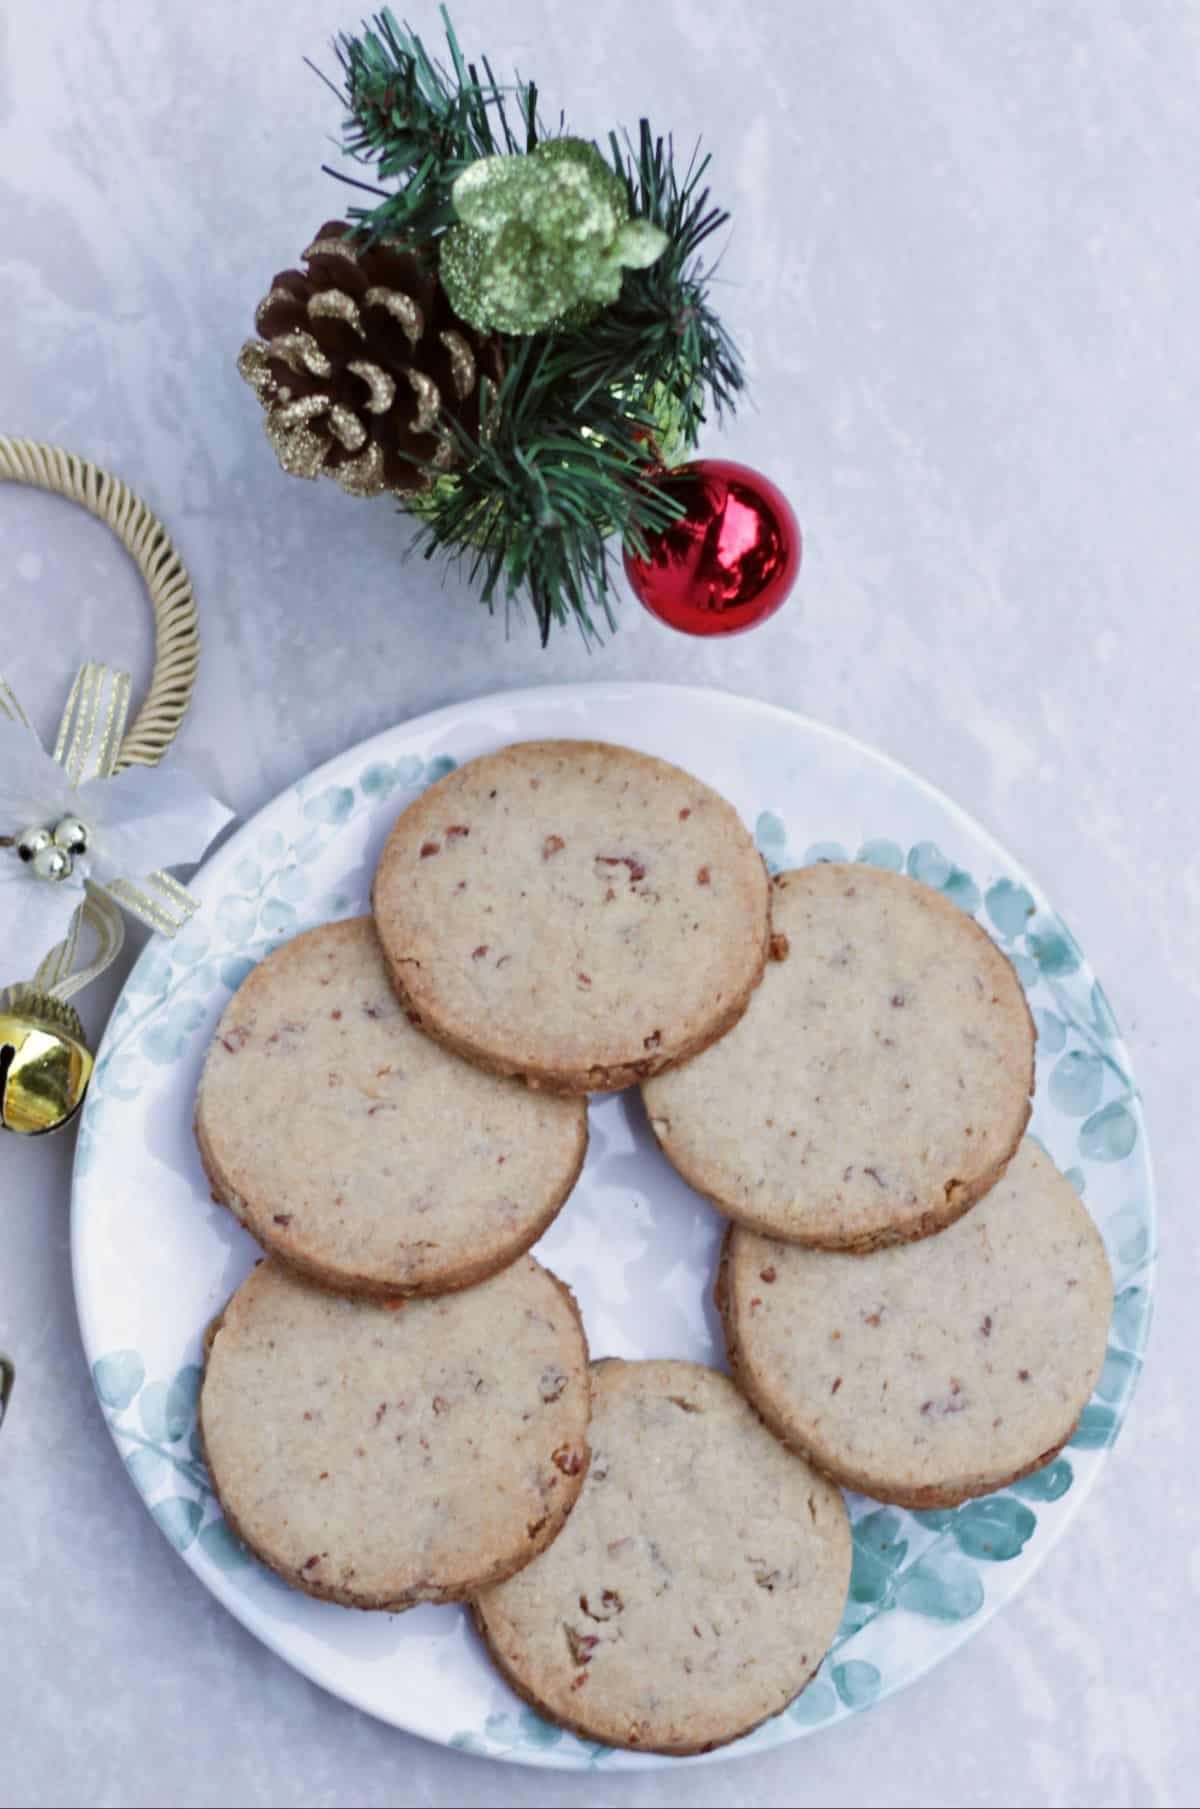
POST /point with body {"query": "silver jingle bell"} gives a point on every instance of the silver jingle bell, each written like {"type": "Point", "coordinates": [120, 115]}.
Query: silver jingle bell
{"type": "Point", "coordinates": [72, 835]}
{"type": "Point", "coordinates": [31, 841]}
{"type": "Point", "coordinates": [52, 863]}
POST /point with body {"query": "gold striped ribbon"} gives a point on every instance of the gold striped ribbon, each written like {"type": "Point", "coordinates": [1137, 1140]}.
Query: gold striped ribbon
{"type": "Point", "coordinates": [10, 706]}
{"type": "Point", "coordinates": [93, 723]}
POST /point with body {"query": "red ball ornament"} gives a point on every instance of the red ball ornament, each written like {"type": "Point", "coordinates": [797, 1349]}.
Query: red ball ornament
{"type": "Point", "coordinates": [729, 561]}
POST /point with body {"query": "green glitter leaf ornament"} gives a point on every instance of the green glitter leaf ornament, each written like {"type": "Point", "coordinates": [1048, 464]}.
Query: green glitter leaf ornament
{"type": "Point", "coordinates": [542, 239]}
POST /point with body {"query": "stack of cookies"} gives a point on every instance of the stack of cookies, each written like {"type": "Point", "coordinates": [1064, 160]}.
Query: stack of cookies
{"type": "Point", "coordinates": [398, 1404]}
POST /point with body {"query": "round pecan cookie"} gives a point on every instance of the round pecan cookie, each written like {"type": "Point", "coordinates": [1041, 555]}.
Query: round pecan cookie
{"type": "Point", "coordinates": [698, 1583]}
{"type": "Point", "coordinates": [878, 1083]}
{"type": "Point", "coordinates": [933, 1371]}
{"type": "Point", "coordinates": [574, 913]}
{"type": "Point", "coordinates": [359, 1151]}
{"type": "Point", "coordinates": [381, 1454]}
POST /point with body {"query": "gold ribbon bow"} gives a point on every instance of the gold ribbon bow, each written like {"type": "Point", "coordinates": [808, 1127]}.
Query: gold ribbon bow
{"type": "Point", "coordinates": [87, 748]}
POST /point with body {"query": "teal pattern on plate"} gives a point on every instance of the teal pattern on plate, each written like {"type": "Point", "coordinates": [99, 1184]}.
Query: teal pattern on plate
{"type": "Point", "coordinates": [155, 1422]}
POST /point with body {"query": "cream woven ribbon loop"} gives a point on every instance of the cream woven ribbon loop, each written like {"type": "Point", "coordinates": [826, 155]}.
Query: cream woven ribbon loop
{"type": "Point", "coordinates": [141, 533]}
{"type": "Point", "coordinates": [95, 743]}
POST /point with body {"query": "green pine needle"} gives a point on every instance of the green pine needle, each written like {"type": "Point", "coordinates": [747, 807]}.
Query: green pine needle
{"type": "Point", "coordinates": [538, 496]}
{"type": "Point", "coordinates": [662, 336]}
{"type": "Point", "coordinates": [421, 123]}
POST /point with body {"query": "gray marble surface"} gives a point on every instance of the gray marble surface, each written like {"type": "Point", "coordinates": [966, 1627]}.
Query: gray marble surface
{"type": "Point", "coordinates": [964, 271]}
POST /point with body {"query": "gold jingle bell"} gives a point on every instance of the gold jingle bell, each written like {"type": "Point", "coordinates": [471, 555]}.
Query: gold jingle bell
{"type": "Point", "coordinates": [45, 1063]}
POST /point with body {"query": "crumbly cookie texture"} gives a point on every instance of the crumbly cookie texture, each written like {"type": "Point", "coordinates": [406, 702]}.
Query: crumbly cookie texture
{"type": "Point", "coordinates": [574, 913]}
{"type": "Point", "coordinates": [879, 1081]}
{"type": "Point", "coordinates": [381, 1454]}
{"type": "Point", "coordinates": [935, 1371]}
{"type": "Point", "coordinates": [358, 1150]}
{"type": "Point", "coordinates": [696, 1586]}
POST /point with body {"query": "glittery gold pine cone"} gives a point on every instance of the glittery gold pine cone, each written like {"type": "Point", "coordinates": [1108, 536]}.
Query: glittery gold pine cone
{"type": "Point", "coordinates": [361, 363]}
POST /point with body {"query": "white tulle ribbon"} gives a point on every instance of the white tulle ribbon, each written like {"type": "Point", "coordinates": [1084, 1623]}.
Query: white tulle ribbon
{"type": "Point", "coordinates": [138, 822]}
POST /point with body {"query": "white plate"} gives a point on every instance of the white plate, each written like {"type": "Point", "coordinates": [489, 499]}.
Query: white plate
{"type": "Point", "coordinates": [154, 1260]}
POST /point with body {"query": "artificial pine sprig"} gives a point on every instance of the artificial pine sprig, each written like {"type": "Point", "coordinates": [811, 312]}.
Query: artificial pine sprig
{"type": "Point", "coordinates": [422, 124]}
{"type": "Point", "coordinates": [535, 498]}
{"type": "Point", "coordinates": [571, 437]}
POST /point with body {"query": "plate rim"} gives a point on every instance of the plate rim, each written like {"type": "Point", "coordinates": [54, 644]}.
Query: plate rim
{"type": "Point", "coordinates": [429, 724]}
